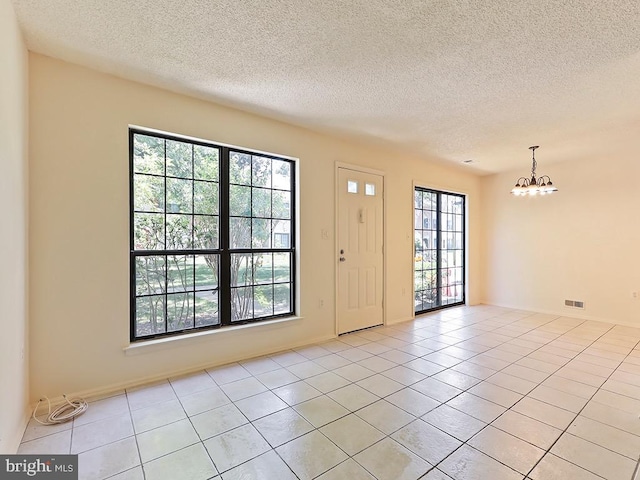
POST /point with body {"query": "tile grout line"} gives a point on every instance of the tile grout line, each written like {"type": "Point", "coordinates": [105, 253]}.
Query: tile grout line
{"type": "Point", "coordinates": [323, 394]}
{"type": "Point", "coordinates": [547, 452]}
{"type": "Point", "coordinates": [135, 436]}
{"type": "Point", "coordinates": [382, 398]}
{"type": "Point", "coordinates": [192, 426]}
{"type": "Point", "coordinates": [509, 408]}
{"type": "Point", "coordinates": [167, 380]}
{"type": "Point", "coordinates": [408, 386]}
{"type": "Point", "coordinates": [446, 368]}
{"type": "Point", "coordinates": [478, 332]}
{"type": "Point", "coordinates": [464, 390]}
{"type": "Point", "coordinates": [249, 422]}
{"type": "Point", "coordinates": [634, 475]}
{"type": "Point", "coordinates": [524, 396]}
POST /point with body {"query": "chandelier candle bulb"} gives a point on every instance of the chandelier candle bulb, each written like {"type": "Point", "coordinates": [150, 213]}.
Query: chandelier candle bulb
{"type": "Point", "coordinates": [534, 186]}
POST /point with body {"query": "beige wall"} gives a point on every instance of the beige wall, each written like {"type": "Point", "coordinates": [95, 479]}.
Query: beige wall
{"type": "Point", "coordinates": [14, 377]}
{"type": "Point", "coordinates": [80, 218]}
{"type": "Point", "coordinates": [578, 244]}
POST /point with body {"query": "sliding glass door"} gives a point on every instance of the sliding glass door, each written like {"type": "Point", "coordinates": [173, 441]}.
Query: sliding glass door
{"type": "Point", "coordinates": [439, 270]}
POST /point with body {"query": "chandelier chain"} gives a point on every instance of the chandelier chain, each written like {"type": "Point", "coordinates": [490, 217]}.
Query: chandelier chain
{"type": "Point", "coordinates": [534, 164]}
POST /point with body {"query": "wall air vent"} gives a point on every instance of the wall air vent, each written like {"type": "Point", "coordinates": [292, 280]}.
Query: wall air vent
{"type": "Point", "coordinates": [574, 304]}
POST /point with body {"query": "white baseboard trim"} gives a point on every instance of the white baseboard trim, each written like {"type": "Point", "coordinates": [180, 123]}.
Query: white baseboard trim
{"type": "Point", "coordinates": [395, 321]}
{"type": "Point", "coordinates": [117, 388]}
{"type": "Point", "coordinates": [564, 313]}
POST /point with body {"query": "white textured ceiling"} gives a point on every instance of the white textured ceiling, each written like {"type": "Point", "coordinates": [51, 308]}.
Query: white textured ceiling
{"type": "Point", "coordinates": [454, 80]}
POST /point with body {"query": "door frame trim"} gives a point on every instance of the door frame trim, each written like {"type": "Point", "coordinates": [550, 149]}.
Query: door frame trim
{"type": "Point", "coordinates": [381, 173]}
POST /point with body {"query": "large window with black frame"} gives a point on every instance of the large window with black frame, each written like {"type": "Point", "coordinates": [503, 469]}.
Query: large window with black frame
{"type": "Point", "coordinates": [439, 269]}
{"type": "Point", "coordinates": [212, 235]}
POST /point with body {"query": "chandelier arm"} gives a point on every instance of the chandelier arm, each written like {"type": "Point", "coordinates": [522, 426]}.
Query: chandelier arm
{"type": "Point", "coordinates": [533, 185]}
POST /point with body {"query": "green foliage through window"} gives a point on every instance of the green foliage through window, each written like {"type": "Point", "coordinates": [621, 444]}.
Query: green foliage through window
{"type": "Point", "coordinates": [211, 235]}
{"type": "Point", "coordinates": [438, 249]}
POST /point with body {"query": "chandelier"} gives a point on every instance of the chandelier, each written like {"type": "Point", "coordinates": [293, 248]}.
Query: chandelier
{"type": "Point", "coordinates": [533, 185]}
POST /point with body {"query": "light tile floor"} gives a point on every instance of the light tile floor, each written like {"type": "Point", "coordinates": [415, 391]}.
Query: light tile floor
{"type": "Point", "coordinates": [467, 393]}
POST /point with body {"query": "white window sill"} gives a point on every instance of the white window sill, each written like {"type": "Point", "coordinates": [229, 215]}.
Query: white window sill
{"type": "Point", "coordinates": [148, 346]}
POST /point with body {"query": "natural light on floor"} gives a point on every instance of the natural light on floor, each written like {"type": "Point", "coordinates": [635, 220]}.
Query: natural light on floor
{"type": "Point", "coordinates": [469, 392]}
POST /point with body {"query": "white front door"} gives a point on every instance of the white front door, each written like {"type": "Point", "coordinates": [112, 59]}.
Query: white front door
{"type": "Point", "coordinates": [360, 256]}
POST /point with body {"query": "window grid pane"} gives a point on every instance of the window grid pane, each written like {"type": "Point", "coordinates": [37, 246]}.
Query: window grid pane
{"type": "Point", "coordinates": [439, 249]}
{"type": "Point", "coordinates": [266, 202]}
{"type": "Point", "coordinates": [261, 285]}
{"type": "Point", "coordinates": [178, 209]}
